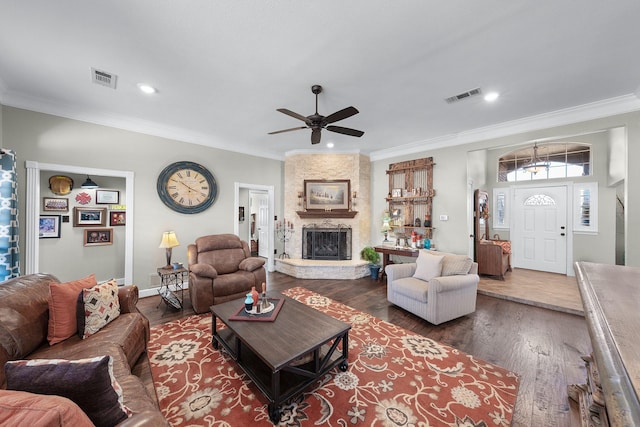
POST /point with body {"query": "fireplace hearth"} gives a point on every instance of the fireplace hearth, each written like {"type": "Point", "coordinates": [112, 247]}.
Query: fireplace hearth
{"type": "Point", "coordinates": [326, 241]}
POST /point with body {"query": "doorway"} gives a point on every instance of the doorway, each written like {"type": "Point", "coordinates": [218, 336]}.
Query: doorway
{"type": "Point", "coordinates": [261, 203]}
{"type": "Point", "coordinates": [540, 228]}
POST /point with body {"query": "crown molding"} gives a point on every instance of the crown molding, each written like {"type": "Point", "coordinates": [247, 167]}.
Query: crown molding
{"type": "Point", "coordinates": [13, 99]}
{"type": "Point", "coordinates": [595, 110]}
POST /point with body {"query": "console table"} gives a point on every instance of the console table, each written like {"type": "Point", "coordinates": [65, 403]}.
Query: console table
{"type": "Point", "coordinates": [387, 251]}
{"type": "Point", "coordinates": [610, 296]}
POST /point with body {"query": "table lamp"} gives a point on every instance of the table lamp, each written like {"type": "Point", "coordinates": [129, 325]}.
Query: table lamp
{"type": "Point", "coordinates": [386, 226]}
{"type": "Point", "coordinates": [169, 240]}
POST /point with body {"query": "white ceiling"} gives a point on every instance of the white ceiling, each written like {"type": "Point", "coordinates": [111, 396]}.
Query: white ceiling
{"type": "Point", "coordinates": [223, 67]}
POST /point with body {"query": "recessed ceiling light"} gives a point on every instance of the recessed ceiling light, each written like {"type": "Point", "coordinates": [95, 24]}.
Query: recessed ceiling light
{"type": "Point", "coordinates": [146, 88]}
{"type": "Point", "coordinates": [330, 144]}
{"type": "Point", "coordinates": [491, 96]}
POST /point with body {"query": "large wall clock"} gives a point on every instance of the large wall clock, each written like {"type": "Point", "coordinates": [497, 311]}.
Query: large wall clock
{"type": "Point", "coordinates": [187, 187]}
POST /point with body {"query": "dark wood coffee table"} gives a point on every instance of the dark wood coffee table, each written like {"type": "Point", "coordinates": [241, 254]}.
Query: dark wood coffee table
{"type": "Point", "coordinates": [287, 355]}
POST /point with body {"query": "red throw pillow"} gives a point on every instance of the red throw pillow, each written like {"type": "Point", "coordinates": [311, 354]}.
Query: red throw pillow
{"type": "Point", "coordinates": [62, 307]}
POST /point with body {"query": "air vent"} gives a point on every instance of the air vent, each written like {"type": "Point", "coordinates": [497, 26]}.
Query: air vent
{"type": "Point", "coordinates": [103, 78]}
{"type": "Point", "coordinates": [464, 95]}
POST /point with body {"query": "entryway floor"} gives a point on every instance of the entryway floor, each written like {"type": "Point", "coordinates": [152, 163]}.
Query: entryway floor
{"type": "Point", "coordinates": [548, 290]}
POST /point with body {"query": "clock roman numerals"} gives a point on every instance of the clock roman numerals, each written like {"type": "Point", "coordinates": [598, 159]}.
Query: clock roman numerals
{"type": "Point", "coordinates": [187, 187]}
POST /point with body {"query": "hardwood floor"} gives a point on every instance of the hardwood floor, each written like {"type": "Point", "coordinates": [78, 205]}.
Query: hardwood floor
{"type": "Point", "coordinates": [543, 346]}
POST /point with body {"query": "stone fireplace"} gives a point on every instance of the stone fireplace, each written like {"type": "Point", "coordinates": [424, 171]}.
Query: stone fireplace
{"type": "Point", "coordinates": [320, 262]}
{"type": "Point", "coordinates": [326, 241]}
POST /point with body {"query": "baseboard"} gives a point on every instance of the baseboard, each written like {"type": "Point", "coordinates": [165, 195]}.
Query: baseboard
{"type": "Point", "coordinates": [152, 292]}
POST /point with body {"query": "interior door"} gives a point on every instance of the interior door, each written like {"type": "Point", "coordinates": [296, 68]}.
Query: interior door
{"type": "Point", "coordinates": [539, 231]}
{"type": "Point", "coordinates": [262, 200]}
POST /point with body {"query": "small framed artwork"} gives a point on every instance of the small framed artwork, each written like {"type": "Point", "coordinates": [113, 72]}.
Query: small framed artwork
{"type": "Point", "coordinates": [107, 197]}
{"type": "Point", "coordinates": [49, 227]}
{"type": "Point", "coordinates": [117, 218]}
{"type": "Point", "coordinates": [396, 192]}
{"type": "Point", "coordinates": [87, 216]}
{"type": "Point", "coordinates": [327, 195]}
{"type": "Point", "coordinates": [241, 214]}
{"type": "Point", "coordinates": [55, 204]}
{"type": "Point", "coordinates": [98, 236]}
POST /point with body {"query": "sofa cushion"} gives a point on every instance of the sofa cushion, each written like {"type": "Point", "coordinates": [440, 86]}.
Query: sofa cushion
{"type": "Point", "coordinates": [19, 408]}
{"type": "Point", "coordinates": [412, 288]}
{"type": "Point", "coordinates": [62, 308]}
{"type": "Point", "coordinates": [97, 306]}
{"type": "Point", "coordinates": [89, 383]}
{"type": "Point", "coordinates": [428, 266]}
{"type": "Point", "coordinates": [455, 265]}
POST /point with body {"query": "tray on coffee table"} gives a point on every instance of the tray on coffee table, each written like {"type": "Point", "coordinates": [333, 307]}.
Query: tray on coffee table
{"type": "Point", "coordinates": [253, 316]}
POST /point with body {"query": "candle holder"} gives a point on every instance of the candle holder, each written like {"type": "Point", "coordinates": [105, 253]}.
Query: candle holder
{"type": "Point", "coordinates": [284, 230]}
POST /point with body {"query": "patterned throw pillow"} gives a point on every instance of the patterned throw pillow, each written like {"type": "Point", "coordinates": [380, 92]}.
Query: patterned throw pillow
{"type": "Point", "coordinates": [428, 266]}
{"type": "Point", "coordinates": [97, 306]}
{"type": "Point", "coordinates": [89, 383]}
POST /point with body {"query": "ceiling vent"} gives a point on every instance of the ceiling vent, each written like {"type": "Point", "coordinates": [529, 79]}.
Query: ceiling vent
{"type": "Point", "coordinates": [464, 95]}
{"type": "Point", "coordinates": [103, 78]}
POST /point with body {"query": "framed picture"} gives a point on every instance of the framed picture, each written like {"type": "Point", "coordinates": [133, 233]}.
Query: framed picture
{"type": "Point", "coordinates": [55, 204]}
{"type": "Point", "coordinates": [107, 197]}
{"type": "Point", "coordinates": [49, 226]}
{"type": "Point", "coordinates": [327, 195]}
{"type": "Point", "coordinates": [241, 214]}
{"type": "Point", "coordinates": [87, 216]}
{"type": "Point", "coordinates": [98, 236]}
{"type": "Point", "coordinates": [396, 192]}
{"type": "Point", "coordinates": [117, 218]}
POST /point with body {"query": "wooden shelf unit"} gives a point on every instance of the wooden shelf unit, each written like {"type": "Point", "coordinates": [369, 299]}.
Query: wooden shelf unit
{"type": "Point", "coordinates": [414, 179]}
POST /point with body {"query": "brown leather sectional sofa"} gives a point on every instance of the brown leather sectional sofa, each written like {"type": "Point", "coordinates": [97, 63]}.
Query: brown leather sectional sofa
{"type": "Point", "coordinates": [24, 316]}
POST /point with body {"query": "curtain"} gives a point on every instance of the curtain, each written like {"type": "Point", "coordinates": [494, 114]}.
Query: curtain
{"type": "Point", "coordinates": [9, 254]}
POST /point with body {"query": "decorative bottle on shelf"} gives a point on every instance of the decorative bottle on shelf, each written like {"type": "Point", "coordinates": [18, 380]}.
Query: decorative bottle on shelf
{"type": "Point", "coordinates": [427, 220]}
{"type": "Point", "coordinates": [427, 243]}
{"type": "Point", "coordinates": [255, 296]}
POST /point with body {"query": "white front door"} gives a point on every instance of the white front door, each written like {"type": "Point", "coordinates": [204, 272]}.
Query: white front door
{"type": "Point", "coordinates": [263, 224]}
{"type": "Point", "coordinates": [539, 233]}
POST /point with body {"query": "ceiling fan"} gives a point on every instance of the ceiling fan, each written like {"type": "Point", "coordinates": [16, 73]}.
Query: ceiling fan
{"type": "Point", "coordinates": [316, 122]}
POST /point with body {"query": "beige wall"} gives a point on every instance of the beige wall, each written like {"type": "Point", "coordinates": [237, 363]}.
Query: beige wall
{"type": "Point", "coordinates": [452, 191]}
{"type": "Point", "coordinates": [56, 140]}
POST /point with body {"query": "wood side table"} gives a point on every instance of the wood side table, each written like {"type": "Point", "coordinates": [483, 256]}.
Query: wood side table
{"type": "Point", "coordinates": [172, 278]}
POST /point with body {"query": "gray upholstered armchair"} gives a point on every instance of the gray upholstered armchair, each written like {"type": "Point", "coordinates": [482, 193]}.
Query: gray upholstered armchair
{"type": "Point", "coordinates": [221, 269]}
{"type": "Point", "coordinates": [438, 287]}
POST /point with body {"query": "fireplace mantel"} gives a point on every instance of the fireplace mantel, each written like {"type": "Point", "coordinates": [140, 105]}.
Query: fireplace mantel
{"type": "Point", "coordinates": [326, 214]}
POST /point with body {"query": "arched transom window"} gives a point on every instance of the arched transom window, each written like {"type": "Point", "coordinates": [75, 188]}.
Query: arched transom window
{"type": "Point", "coordinates": [545, 161]}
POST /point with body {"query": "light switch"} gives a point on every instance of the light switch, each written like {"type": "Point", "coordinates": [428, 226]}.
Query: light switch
{"type": "Point", "coordinates": [444, 217]}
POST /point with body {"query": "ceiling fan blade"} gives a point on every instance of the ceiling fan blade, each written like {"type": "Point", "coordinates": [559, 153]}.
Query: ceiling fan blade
{"type": "Point", "coordinates": [293, 114]}
{"type": "Point", "coordinates": [287, 130]}
{"type": "Point", "coordinates": [346, 131]}
{"type": "Point", "coordinates": [341, 115]}
{"type": "Point", "coordinates": [315, 136]}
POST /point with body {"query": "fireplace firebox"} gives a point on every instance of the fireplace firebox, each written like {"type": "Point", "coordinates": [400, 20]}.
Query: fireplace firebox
{"type": "Point", "coordinates": [326, 242]}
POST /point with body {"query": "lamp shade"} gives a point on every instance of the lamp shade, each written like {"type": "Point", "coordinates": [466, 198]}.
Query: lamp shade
{"type": "Point", "coordinates": [89, 183]}
{"type": "Point", "coordinates": [169, 240]}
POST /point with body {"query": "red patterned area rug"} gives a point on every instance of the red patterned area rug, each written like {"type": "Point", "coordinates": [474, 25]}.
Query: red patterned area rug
{"type": "Point", "coordinates": [395, 378]}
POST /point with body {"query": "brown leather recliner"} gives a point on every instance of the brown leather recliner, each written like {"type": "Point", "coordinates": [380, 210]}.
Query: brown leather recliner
{"type": "Point", "coordinates": [221, 269]}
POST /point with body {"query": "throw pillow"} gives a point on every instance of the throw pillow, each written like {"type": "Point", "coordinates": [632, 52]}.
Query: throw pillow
{"type": "Point", "coordinates": [456, 264]}
{"type": "Point", "coordinates": [62, 308]}
{"type": "Point", "coordinates": [428, 266]}
{"type": "Point", "coordinates": [19, 408]}
{"type": "Point", "coordinates": [89, 383]}
{"type": "Point", "coordinates": [97, 306]}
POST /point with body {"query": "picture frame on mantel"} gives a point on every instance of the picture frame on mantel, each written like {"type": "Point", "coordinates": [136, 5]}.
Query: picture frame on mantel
{"type": "Point", "coordinates": [327, 195]}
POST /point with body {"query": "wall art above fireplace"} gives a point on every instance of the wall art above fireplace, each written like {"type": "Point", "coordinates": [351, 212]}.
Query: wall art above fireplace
{"type": "Point", "coordinates": [327, 199]}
